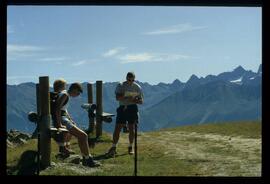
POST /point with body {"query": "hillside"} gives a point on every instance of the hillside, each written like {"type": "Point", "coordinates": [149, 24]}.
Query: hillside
{"type": "Point", "coordinates": [229, 96]}
{"type": "Point", "coordinates": [212, 102]}
{"type": "Point", "coordinates": [222, 149]}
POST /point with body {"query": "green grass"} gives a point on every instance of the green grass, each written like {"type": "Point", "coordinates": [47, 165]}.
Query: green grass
{"type": "Point", "coordinates": [249, 129]}
{"type": "Point", "coordinates": [168, 152]}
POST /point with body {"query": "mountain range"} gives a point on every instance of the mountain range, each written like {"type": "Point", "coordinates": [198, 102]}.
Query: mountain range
{"type": "Point", "coordinates": [228, 96]}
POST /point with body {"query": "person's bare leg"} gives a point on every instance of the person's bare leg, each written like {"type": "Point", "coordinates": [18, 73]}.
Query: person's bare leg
{"type": "Point", "coordinates": [116, 132]}
{"type": "Point", "coordinates": [131, 133]}
{"type": "Point", "coordinates": [67, 140]}
{"type": "Point", "coordinates": [68, 137]}
{"type": "Point", "coordinates": [82, 140]}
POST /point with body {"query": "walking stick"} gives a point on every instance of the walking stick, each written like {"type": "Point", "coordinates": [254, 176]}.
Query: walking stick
{"type": "Point", "coordinates": [135, 149]}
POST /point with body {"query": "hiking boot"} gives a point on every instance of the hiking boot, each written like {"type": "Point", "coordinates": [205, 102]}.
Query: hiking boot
{"type": "Point", "coordinates": [70, 151]}
{"type": "Point", "coordinates": [125, 129]}
{"type": "Point", "coordinates": [90, 162]}
{"type": "Point", "coordinates": [130, 150]}
{"type": "Point", "coordinates": [63, 152]}
{"type": "Point", "coordinates": [111, 152]}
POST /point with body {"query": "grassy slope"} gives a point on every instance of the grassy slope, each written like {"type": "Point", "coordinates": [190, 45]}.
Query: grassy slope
{"type": "Point", "coordinates": [226, 149]}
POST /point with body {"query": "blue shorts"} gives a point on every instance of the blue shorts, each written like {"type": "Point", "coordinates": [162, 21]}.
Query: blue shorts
{"type": "Point", "coordinates": [66, 122]}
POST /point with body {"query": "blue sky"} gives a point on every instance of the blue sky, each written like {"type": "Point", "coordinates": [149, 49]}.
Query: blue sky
{"type": "Point", "coordinates": [159, 44]}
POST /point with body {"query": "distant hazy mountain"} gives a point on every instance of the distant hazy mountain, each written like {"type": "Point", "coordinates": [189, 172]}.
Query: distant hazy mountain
{"type": "Point", "coordinates": [234, 95]}
{"type": "Point", "coordinates": [212, 102]}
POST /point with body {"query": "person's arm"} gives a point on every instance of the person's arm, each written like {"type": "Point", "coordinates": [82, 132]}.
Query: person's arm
{"type": "Point", "coordinates": [139, 99]}
{"type": "Point", "coordinates": [59, 105]}
{"type": "Point", "coordinates": [121, 97]}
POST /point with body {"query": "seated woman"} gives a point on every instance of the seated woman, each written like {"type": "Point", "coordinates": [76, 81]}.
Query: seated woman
{"type": "Point", "coordinates": [64, 120]}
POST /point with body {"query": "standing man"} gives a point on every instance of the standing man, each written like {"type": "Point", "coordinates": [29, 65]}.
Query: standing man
{"type": "Point", "coordinates": [129, 94]}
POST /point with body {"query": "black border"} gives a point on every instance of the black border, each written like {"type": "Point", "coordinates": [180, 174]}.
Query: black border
{"type": "Point", "coordinates": [3, 44]}
{"type": "Point", "coordinates": [141, 2]}
{"type": "Point", "coordinates": [227, 3]}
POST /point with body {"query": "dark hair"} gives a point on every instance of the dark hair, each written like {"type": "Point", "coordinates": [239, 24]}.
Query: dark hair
{"type": "Point", "coordinates": [77, 86]}
{"type": "Point", "coordinates": [130, 75]}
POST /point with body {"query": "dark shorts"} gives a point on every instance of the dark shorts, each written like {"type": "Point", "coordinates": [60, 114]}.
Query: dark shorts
{"type": "Point", "coordinates": [127, 113]}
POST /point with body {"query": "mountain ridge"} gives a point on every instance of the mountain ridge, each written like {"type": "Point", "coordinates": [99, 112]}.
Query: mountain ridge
{"type": "Point", "coordinates": [21, 99]}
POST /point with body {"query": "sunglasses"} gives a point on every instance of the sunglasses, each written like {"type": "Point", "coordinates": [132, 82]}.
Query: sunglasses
{"type": "Point", "coordinates": [130, 80]}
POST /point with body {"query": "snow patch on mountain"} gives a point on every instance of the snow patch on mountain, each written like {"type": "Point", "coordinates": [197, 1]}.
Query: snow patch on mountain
{"type": "Point", "coordinates": [237, 81]}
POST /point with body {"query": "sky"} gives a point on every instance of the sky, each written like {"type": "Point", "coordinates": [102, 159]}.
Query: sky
{"type": "Point", "coordinates": [157, 43]}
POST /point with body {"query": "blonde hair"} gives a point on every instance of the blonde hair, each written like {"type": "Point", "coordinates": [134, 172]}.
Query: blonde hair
{"type": "Point", "coordinates": [59, 84]}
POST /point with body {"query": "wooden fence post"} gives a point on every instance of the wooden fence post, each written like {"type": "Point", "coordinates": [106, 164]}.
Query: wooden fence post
{"type": "Point", "coordinates": [38, 127]}
{"type": "Point", "coordinates": [99, 109]}
{"type": "Point", "coordinates": [45, 139]}
{"type": "Point", "coordinates": [91, 126]}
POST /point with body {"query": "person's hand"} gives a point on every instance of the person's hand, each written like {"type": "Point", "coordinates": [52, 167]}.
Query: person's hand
{"type": "Point", "coordinates": [73, 122]}
{"type": "Point", "coordinates": [60, 126]}
{"type": "Point", "coordinates": [136, 99]}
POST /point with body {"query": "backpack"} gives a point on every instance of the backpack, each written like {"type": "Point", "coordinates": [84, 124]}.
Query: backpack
{"type": "Point", "coordinates": [53, 98]}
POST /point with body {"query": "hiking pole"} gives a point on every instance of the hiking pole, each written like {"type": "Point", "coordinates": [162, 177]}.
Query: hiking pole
{"type": "Point", "coordinates": [135, 149]}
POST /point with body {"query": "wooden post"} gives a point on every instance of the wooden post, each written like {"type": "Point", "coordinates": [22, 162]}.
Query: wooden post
{"type": "Point", "coordinates": [38, 99]}
{"type": "Point", "coordinates": [45, 139]}
{"type": "Point", "coordinates": [99, 108]}
{"type": "Point", "coordinates": [90, 101]}
{"type": "Point", "coordinates": [38, 128]}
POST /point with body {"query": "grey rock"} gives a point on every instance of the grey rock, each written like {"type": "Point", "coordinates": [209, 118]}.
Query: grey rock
{"type": "Point", "coordinates": [23, 136]}
{"type": "Point", "coordinates": [9, 144]}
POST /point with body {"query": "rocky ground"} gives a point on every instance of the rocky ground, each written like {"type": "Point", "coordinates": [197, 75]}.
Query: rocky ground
{"type": "Point", "coordinates": [15, 138]}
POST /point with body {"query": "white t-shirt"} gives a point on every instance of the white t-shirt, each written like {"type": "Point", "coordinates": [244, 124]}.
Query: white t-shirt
{"type": "Point", "coordinates": [128, 90]}
{"type": "Point", "coordinates": [64, 108]}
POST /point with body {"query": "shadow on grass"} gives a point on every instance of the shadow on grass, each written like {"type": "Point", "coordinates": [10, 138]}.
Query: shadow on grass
{"type": "Point", "coordinates": [104, 156]}
{"type": "Point", "coordinates": [92, 142]}
{"type": "Point", "coordinates": [27, 164]}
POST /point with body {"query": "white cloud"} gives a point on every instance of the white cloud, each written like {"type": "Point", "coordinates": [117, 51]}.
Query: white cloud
{"type": "Point", "coordinates": [180, 28]}
{"type": "Point", "coordinates": [142, 57]}
{"type": "Point", "coordinates": [152, 57]}
{"type": "Point", "coordinates": [53, 59]}
{"type": "Point", "coordinates": [113, 51]}
{"type": "Point", "coordinates": [14, 80]}
{"type": "Point", "coordinates": [78, 63]}
{"type": "Point", "coordinates": [22, 48]}
{"type": "Point", "coordinates": [15, 52]}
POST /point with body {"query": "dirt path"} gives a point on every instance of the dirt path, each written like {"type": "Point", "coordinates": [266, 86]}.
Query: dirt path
{"type": "Point", "coordinates": [215, 155]}
{"type": "Point", "coordinates": [211, 154]}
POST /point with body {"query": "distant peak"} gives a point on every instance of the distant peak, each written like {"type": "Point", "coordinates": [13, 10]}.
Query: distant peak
{"type": "Point", "coordinates": [239, 69]}
{"type": "Point", "coordinates": [177, 81]}
{"type": "Point", "coordinates": [161, 83]}
{"type": "Point", "coordinates": [193, 77]}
